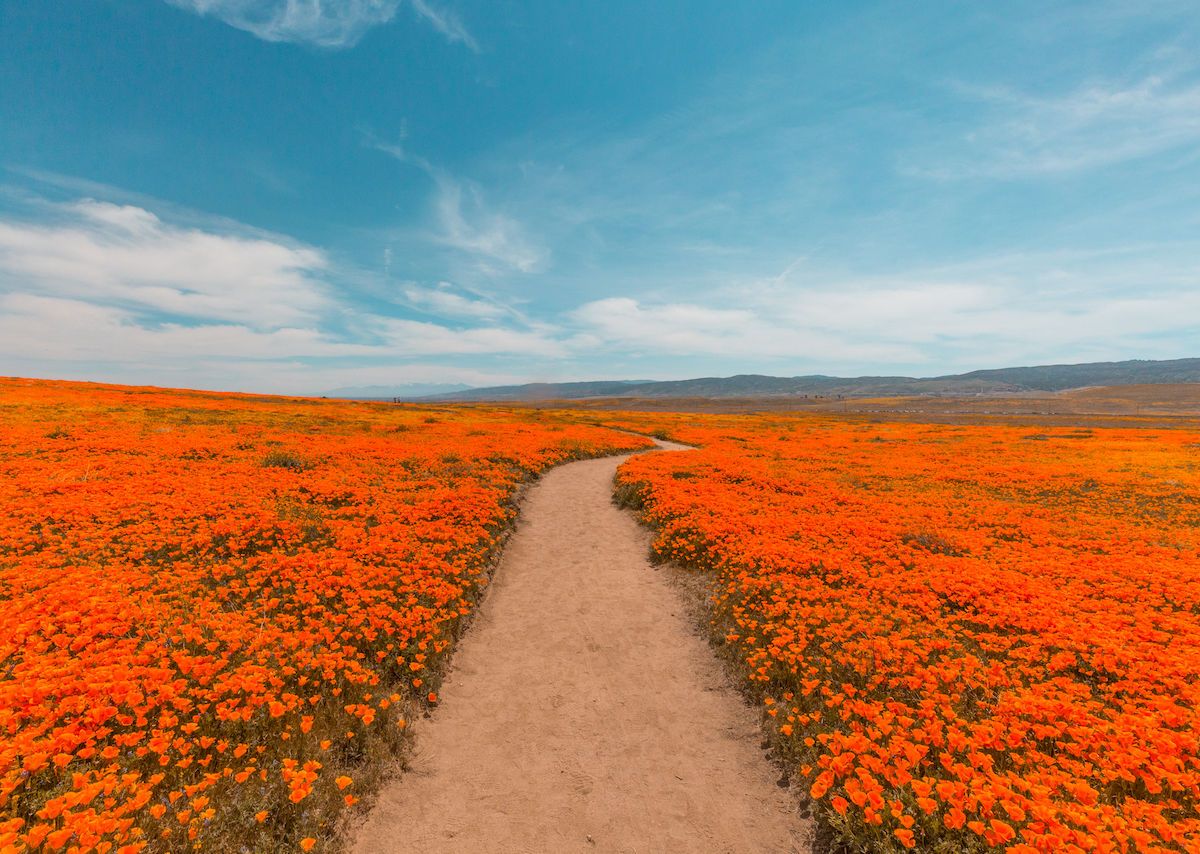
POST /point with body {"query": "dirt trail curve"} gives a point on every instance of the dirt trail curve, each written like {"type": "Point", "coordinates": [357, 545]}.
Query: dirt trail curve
{"type": "Point", "coordinates": [582, 712]}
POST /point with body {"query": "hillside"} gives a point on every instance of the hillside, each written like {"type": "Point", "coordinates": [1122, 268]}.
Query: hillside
{"type": "Point", "coordinates": [994, 381]}
{"type": "Point", "coordinates": [1060, 377]}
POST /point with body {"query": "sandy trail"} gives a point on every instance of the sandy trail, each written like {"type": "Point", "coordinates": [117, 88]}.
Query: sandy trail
{"type": "Point", "coordinates": [583, 712]}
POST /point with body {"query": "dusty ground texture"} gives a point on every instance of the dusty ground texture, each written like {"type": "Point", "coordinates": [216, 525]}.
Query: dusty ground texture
{"type": "Point", "coordinates": [583, 713]}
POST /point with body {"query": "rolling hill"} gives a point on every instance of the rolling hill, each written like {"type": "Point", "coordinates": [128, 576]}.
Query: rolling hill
{"type": "Point", "coordinates": [1045, 378]}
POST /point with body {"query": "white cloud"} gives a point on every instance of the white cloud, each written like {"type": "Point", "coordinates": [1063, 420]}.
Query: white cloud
{"type": "Point", "coordinates": [444, 301]}
{"type": "Point", "coordinates": [71, 339]}
{"type": "Point", "coordinates": [411, 337]}
{"type": "Point", "coordinates": [75, 330]}
{"type": "Point", "coordinates": [324, 23]}
{"type": "Point", "coordinates": [912, 311]}
{"type": "Point", "coordinates": [977, 316]}
{"type": "Point", "coordinates": [311, 379]}
{"type": "Point", "coordinates": [692, 329]}
{"type": "Point", "coordinates": [446, 23]}
{"type": "Point", "coordinates": [124, 255]}
{"type": "Point", "coordinates": [98, 283]}
{"type": "Point", "coordinates": [990, 313]}
{"type": "Point", "coordinates": [72, 330]}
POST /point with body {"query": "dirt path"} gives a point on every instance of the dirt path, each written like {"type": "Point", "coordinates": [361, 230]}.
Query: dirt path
{"type": "Point", "coordinates": [583, 713]}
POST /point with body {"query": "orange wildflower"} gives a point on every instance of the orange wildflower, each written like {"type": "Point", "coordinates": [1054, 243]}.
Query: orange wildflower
{"type": "Point", "coordinates": [185, 571]}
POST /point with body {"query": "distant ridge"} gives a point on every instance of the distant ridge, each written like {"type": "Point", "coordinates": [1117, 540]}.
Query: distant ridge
{"type": "Point", "coordinates": [1046, 378]}
{"type": "Point", "coordinates": [405, 391]}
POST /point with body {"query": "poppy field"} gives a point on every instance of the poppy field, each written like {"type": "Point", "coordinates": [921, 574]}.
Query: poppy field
{"type": "Point", "coordinates": [218, 612]}
{"type": "Point", "coordinates": [962, 637]}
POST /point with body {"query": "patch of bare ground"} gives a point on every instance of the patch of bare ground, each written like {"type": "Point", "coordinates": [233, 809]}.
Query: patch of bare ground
{"type": "Point", "coordinates": [696, 588]}
{"type": "Point", "coordinates": [583, 711]}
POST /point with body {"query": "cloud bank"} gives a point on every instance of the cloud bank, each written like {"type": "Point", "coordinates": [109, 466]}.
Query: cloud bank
{"type": "Point", "coordinates": [124, 256]}
{"type": "Point", "coordinates": [95, 290]}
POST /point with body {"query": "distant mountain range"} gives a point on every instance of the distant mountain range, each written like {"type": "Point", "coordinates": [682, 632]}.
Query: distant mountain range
{"type": "Point", "coordinates": [1046, 378]}
{"type": "Point", "coordinates": [405, 391]}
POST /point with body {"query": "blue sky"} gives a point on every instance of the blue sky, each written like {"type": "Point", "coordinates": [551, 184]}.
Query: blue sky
{"type": "Point", "coordinates": [297, 195]}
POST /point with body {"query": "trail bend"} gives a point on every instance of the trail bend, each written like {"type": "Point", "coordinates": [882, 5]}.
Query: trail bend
{"type": "Point", "coordinates": [583, 712]}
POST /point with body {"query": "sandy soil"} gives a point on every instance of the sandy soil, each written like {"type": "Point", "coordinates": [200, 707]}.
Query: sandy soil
{"type": "Point", "coordinates": [583, 712]}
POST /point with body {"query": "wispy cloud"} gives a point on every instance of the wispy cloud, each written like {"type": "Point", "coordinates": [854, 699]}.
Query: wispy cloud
{"type": "Point", "coordinates": [1023, 135]}
{"type": "Point", "coordinates": [445, 301]}
{"type": "Point", "coordinates": [323, 23]}
{"type": "Point", "coordinates": [447, 23]}
{"type": "Point", "coordinates": [466, 223]}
